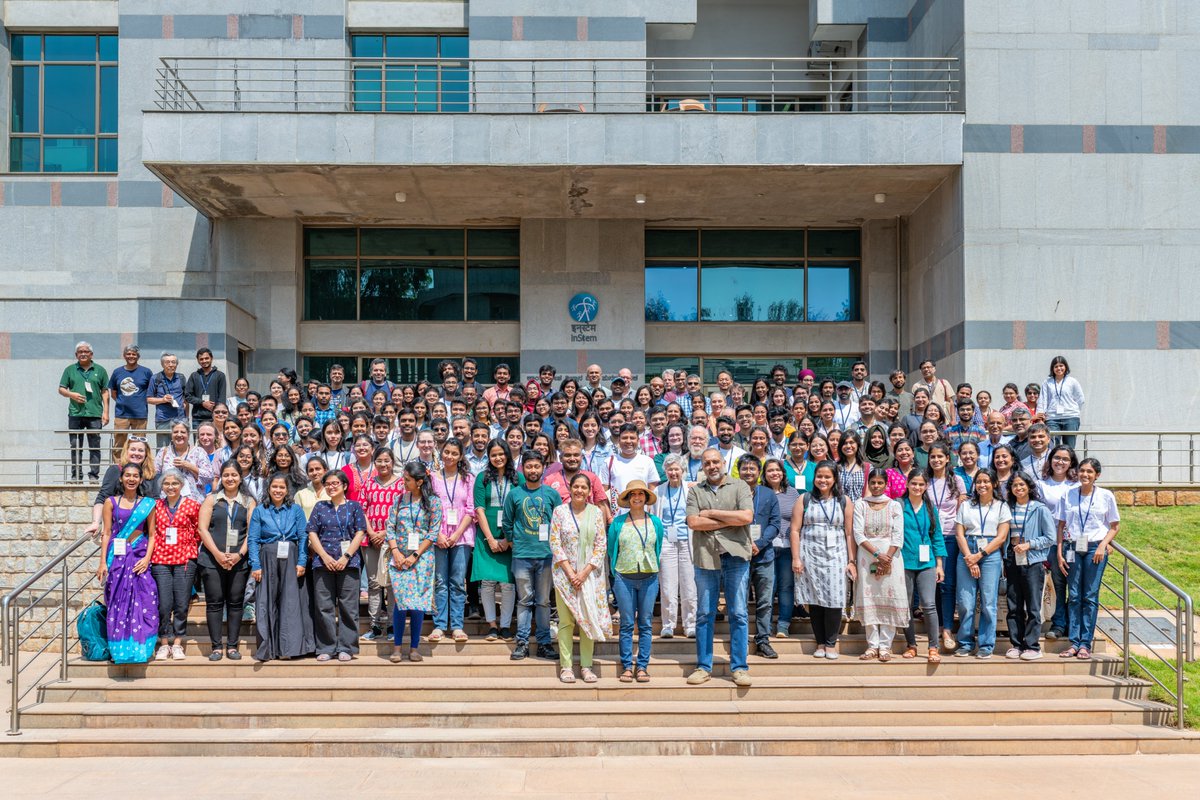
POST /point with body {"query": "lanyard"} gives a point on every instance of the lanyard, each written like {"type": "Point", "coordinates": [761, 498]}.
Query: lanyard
{"type": "Point", "coordinates": [500, 495]}
{"type": "Point", "coordinates": [204, 379]}
{"type": "Point", "coordinates": [449, 491]}
{"type": "Point", "coordinates": [693, 468]}
{"type": "Point", "coordinates": [939, 499]}
{"type": "Point", "coordinates": [829, 515]}
{"type": "Point", "coordinates": [362, 482]}
{"type": "Point", "coordinates": [589, 459]}
{"type": "Point", "coordinates": [171, 511]}
{"type": "Point", "coordinates": [983, 516]}
{"type": "Point", "coordinates": [641, 536]}
{"type": "Point", "coordinates": [844, 419]}
{"type": "Point", "coordinates": [916, 516]}
{"type": "Point", "coordinates": [1083, 518]}
{"type": "Point", "coordinates": [1019, 522]}
{"type": "Point", "coordinates": [406, 455]}
{"type": "Point", "coordinates": [571, 511]}
{"type": "Point", "coordinates": [673, 508]}
{"type": "Point", "coordinates": [1056, 391]}
{"type": "Point", "coordinates": [799, 468]}
{"type": "Point", "coordinates": [337, 519]}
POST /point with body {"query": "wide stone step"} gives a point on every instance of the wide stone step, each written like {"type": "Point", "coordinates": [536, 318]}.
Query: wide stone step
{"type": "Point", "coordinates": [609, 713]}
{"type": "Point", "coordinates": [604, 741]}
{"type": "Point", "coordinates": [884, 686]}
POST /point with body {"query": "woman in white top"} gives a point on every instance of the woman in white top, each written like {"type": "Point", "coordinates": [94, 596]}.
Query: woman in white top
{"type": "Point", "coordinates": [1087, 523]}
{"type": "Point", "coordinates": [880, 597]}
{"type": "Point", "coordinates": [1059, 476]}
{"type": "Point", "coordinates": [981, 529]}
{"type": "Point", "coordinates": [677, 579]}
{"type": "Point", "coordinates": [1062, 402]}
{"type": "Point", "coordinates": [823, 555]}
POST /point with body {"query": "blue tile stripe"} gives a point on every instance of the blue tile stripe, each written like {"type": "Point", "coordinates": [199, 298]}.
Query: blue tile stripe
{"type": "Point", "coordinates": [1109, 139]}
{"type": "Point", "coordinates": [86, 193]}
{"type": "Point", "coordinates": [216, 26]}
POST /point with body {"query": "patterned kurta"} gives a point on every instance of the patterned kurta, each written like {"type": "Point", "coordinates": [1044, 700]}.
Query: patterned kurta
{"type": "Point", "coordinates": [413, 588]}
{"type": "Point", "coordinates": [824, 553]}
{"type": "Point", "coordinates": [880, 600]}
{"type": "Point", "coordinates": [582, 540]}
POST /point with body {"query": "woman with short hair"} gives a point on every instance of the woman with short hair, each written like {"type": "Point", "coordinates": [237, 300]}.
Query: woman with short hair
{"type": "Point", "coordinates": [173, 563]}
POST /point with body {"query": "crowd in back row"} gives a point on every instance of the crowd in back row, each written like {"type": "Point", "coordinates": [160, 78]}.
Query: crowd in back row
{"type": "Point", "coordinates": [449, 498]}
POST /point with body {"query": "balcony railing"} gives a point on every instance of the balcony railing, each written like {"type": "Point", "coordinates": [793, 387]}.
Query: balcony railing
{"type": "Point", "coordinates": [516, 86]}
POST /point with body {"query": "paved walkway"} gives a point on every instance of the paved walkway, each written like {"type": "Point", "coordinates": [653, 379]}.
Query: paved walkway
{"type": "Point", "coordinates": [979, 778]}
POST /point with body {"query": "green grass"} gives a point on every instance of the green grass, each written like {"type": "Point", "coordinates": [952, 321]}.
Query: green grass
{"type": "Point", "coordinates": [1167, 539]}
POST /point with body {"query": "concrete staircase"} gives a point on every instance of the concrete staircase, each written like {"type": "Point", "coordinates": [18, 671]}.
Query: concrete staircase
{"type": "Point", "coordinates": [470, 699]}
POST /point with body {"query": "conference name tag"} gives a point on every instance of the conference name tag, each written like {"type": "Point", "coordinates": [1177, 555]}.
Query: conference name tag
{"type": "Point", "coordinates": [119, 546]}
{"type": "Point", "coordinates": [800, 483]}
{"type": "Point", "coordinates": [923, 553]}
{"type": "Point", "coordinates": [281, 549]}
{"type": "Point", "coordinates": [755, 531]}
{"type": "Point", "coordinates": [543, 532]}
{"type": "Point", "coordinates": [1070, 557]}
{"type": "Point", "coordinates": [172, 535]}
{"type": "Point", "coordinates": [87, 386]}
{"type": "Point", "coordinates": [413, 542]}
{"type": "Point", "coordinates": [1081, 544]}
{"type": "Point", "coordinates": [452, 517]}
{"type": "Point", "coordinates": [671, 536]}
{"type": "Point", "coordinates": [499, 516]}
{"type": "Point", "coordinates": [231, 539]}
{"type": "Point", "coordinates": [204, 398]}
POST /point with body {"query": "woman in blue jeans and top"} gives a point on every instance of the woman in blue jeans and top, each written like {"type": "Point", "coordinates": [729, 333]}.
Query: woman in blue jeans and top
{"type": "Point", "coordinates": [981, 529]}
{"type": "Point", "coordinates": [1062, 400]}
{"type": "Point", "coordinates": [945, 491]}
{"type": "Point", "coordinates": [1087, 523]}
{"type": "Point", "coordinates": [634, 548]}
{"type": "Point", "coordinates": [1031, 537]}
{"type": "Point", "coordinates": [455, 487]}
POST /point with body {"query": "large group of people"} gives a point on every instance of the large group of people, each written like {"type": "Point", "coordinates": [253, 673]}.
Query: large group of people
{"type": "Point", "coordinates": [582, 505]}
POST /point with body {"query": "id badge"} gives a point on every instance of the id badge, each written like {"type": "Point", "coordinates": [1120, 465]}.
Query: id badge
{"type": "Point", "coordinates": [755, 532]}
{"type": "Point", "coordinates": [1081, 544]}
{"type": "Point", "coordinates": [119, 546]}
{"type": "Point", "coordinates": [231, 540]}
{"type": "Point", "coordinates": [87, 386]}
{"type": "Point", "coordinates": [282, 549]}
{"type": "Point", "coordinates": [923, 553]}
{"type": "Point", "coordinates": [1070, 557]}
{"type": "Point", "coordinates": [413, 542]}
{"type": "Point", "coordinates": [452, 517]}
{"type": "Point", "coordinates": [203, 398]}
{"type": "Point", "coordinates": [499, 516]}
{"type": "Point", "coordinates": [800, 483]}
{"type": "Point", "coordinates": [1022, 559]}
{"type": "Point", "coordinates": [172, 535]}
{"type": "Point", "coordinates": [671, 537]}
{"type": "Point", "coordinates": [544, 532]}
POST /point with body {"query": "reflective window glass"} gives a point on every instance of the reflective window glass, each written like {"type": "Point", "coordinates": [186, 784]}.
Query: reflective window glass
{"type": "Point", "coordinates": [329, 290]}
{"type": "Point", "coordinates": [398, 290]}
{"type": "Point", "coordinates": [833, 293]}
{"type": "Point", "coordinates": [493, 290]}
{"type": "Point", "coordinates": [752, 292]}
{"type": "Point", "coordinates": [25, 95]}
{"type": "Point", "coordinates": [408, 87]}
{"type": "Point", "coordinates": [671, 292]}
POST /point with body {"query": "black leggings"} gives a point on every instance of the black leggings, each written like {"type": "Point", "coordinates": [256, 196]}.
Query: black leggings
{"type": "Point", "coordinates": [174, 583]}
{"type": "Point", "coordinates": [826, 625]}
{"type": "Point", "coordinates": [225, 591]}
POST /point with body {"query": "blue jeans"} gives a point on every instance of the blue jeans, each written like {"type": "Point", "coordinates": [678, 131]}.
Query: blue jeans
{"type": "Point", "coordinates": [1083, 582]}
{"type": "Point", "coordinates": [947, 595]}
{"type": "Point", "coordinates": [532, 577]}
{"type": "Point", "coordinates": [635, 600]}
{"type": "Point", "coordinates": [1064, 424]}
{"type": "Point", "coordinates": [449, 586]}
{"type": "Point", "coordinates": [1061, 621]}
{"type": "Point", "coordinates": [987, 589]}
{"type": "Point", "coordinates": [785, 588]}
{"type": "Point", "coordinates": [763, 576]}
{"type": "Point", "coordinates": [736, 574]}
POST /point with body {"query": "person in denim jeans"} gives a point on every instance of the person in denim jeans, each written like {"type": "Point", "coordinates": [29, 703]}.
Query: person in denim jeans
{"type": "Point", "coordinates": [763, 531]}
{"type": "Point", "coordinates": [981, 529]}
{"type": "Point", "coordinates": [1033, 535]}
{"type": "Point", "coordinates": [634, 549]}
{"type": "Point", "coordinates": [1088, 521]}
{"type": "Point", "coordinates": [454, 486]}
{"type": "Point", "coordinates": [527, 512]}
{"type": "Point", "coordinates": [719, 513]}
{"type": "Point", "coordinates": [1059, 476]}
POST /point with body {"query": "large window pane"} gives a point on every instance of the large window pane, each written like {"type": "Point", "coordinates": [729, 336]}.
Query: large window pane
{"type": "Point", "coordinates": [366, 46]}
{"type": "Point", "coordinates": [656, 364]}
{"type": "Point", "coordinates": [749, 292]}
{"type": "Point", "coordinates": [834, 244]}
{"type": "Point", "coordinates": [329, 290]}
{"type": "Point", "coordinates": [670, 292]}
{"type": "Point", "coordinates": [330, 241]}
{"type": "Point", "coordinates": [494, 242]}
{"type": "Point", "coordinates": [68, 155]}
{"type": "Point", "coordinates": [25, 155]}
{"type": "Point", "coordinates": [26, 47]}
{"type": "Point", "coordinates": [393, 290]}
{"type": "Point", "coordinates": [746, 370]}
{"type": "Point", "coordinates": [368, 88]}
{"type": "Point", "coordinates": [833, 293]}
{"type": "Point", "coordinates": [455, 46]}
{"type": "Point", "coordinates": [752, 244]}
{"type": "Point", "coordinates": [411, 47]}
{"type": "Point", "coordinates": [672, 244]}
{"type": "Point", "coordinates": [108, 48]}
{"type": "Point", "coordinates": [836, 367]}
{"type": "Point", "coordinates": [318, 367]}
{"type": "Point", "coordinates": [71, 48]}
{"type": "Point", "coordinates": [493, 290]}
{"type": "Point", "coordinates": [108, 100]}
{"type": "Point", "coordinates": [106, 155]}
{"type": "Point", "coordinates": [70, 99]}
{"type": "Point", "coordinates": [438, 242]}
{"type": "Point", "coordinates": [25, 92]}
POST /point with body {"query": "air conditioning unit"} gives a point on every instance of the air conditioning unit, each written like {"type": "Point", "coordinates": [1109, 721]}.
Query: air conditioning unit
{"type": "Point", "coordinates": [828, 49]}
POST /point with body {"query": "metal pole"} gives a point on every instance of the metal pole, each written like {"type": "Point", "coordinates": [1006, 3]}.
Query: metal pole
{"type": "Point", "coordinates": [4, 633]}
{"type": "Point", "coordinates": [1179, 660]}
{"type": "Point", "coordinates": [1160, 460]}
{"type": "Point", "coordinates": [1125, 616]}
{"type": "Point", "coordinates": [66, 575]}
{"type": "Point", "coordinates": [14, 716]}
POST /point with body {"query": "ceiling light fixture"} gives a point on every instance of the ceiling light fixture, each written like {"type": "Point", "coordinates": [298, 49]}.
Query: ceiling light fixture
{"type": "Point", "coordinates": [401, 197]}
{"type": "Point", "coordinates": [640, 199]}
{"type": "Point", "coordinates": [880, 197]}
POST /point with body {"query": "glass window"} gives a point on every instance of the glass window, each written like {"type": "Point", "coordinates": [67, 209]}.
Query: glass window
{"type": "Point", "coordinates": [404, 83]}
{"type": "Point", "coordinates": [64, 103]}
{"type": "Point", "coordinates": [412, 274]}
{"type": "Point", "coordinates": [318, 367]}
{"type": "Point", "coordinates": [752, 292]}
{"type": "Point", "coordinates": [832, 293]}
{"type": "Point", "coordinates": [671, 292]}
{"type": "Point", "coordinates": [746, 370]}
{"type": "Point", "coordinates": [752, 244]}
{"type": "Point", "coordinates": [656, 364]}
{"type": "Point", "coordinates": [837, 367]}
{"type": "Point", "coordinates": [404, 370]}
{"type": "Point", "coordinates": [672, 244]}
{"type": "Point", "coordinates": [834, 244]}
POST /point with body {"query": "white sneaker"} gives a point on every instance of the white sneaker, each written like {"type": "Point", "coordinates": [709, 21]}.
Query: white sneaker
{"type": "Point", "coordinates": [177, 653]}
{"type": "Point", "coordinates": [1031, 655]}
{"type": "Point", "coordinates": [1013, 652]}
{"type": "Point", "coordinates": [163, 653]}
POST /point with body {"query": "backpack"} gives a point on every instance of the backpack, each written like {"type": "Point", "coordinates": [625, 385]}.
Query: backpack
{"type": "Point", "coordinates": [92, 627]}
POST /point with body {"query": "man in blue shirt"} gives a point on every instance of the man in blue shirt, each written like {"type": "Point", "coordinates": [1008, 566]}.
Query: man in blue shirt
{"type": "Point", "coordinates": [527, 512]}
{"type": "Point", "coordinates": [763, 531]}
{"type": "Point", "coordinates": [166, 395]}
{"type": "Point", "coordinates": [129, 384]}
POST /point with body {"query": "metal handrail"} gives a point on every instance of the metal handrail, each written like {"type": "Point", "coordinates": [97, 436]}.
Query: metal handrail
{"type": "Point", "coordinates": [531, 85]}
{"type": "Point", "coordinates": [1184, 619]}
{"type": "Point", "coordinates": [10, 623]}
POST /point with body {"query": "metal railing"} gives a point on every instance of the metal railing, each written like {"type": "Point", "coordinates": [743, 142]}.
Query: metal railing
{"type": "Point", "coordinates": [59, 596]}
{"type": "Point", "coordinates": [1184, 626]}
{"type": "Point", "coordinates": [1141, 458]}
{"type": "Point", "coordinates": [524, 85]}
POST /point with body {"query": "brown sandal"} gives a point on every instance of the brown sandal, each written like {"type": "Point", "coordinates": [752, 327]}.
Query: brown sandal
{"type": "Point", "coordinates": [626, 676]}
{"type": "Point", "coordinates": [643, 676]}
{"type": "Point", "coordinates": [910, 652]}
{"type": "Point", "coordinates": [934, 656]}
{"type": "Point", "coordinates": [869, 655]}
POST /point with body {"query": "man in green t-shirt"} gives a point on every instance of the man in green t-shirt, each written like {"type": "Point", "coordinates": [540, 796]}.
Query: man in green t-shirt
{"type": "Point", "coordinates": [527, 512]}
{"type": "Point", "coordinates": [85, 384]}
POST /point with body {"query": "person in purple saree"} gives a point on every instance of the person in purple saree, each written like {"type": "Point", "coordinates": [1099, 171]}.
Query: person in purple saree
{"type": "Point", "coordinates": [129, 589]}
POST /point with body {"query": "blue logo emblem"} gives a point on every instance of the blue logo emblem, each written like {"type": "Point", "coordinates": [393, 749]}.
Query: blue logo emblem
{"type": "Point", "coordinates": [583, 307]}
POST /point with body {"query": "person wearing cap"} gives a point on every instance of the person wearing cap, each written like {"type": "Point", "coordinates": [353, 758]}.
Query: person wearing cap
{"type": "Point", "coordinates": [618, 389]}
{"type": "Point", "coordinates": [846, 408]}
{"type": "Point", "coordinates": [634, 548]}
{"type": "Point", "coordinates": [720, 511]}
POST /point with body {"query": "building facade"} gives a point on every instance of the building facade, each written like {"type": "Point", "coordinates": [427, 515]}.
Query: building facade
{"type": "Point", "coordinates": [640, 183]}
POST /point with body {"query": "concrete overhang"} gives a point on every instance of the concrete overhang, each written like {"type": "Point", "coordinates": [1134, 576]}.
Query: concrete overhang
{"type": "Point", "coordinates": [478, 168]}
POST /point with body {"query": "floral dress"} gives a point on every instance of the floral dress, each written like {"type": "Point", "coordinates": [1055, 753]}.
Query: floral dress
{"type": "Point", "coordinates": [582, 540]}
{"type": "Point", "coordinates": [408, 524]}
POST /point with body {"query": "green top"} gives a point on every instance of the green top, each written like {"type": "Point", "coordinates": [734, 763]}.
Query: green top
{"type": "Point", "coordinates": [525, 511]}
{"type": "Point", "coordinates": [91, 383]}
{"type": "Point", "coordinates": [807, 470]}
{"type": "Point", "coordinates": [626, 553]}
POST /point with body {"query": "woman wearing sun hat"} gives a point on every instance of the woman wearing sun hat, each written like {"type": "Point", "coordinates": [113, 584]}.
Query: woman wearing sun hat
{"type": "Point", "coordinates": [634, 547]}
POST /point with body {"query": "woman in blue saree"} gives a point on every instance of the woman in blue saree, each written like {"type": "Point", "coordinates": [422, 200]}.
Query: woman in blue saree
{"type": "Point", "coordinates": [129, 589]}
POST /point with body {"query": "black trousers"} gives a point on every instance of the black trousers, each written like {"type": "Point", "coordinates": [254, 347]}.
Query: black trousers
{"type": "Point", "coordinates": [826, 625]}
{"type": "Point", "coordinates": [1025, 587]}
{"type": "Point", "coordinates": [93, 442]}
{"type": "Point", "coordinates": [225, 591]}
{"type": "Point", "coordinates": [174, 583]}
{"type": "Point", "coordinates": [335, 622]}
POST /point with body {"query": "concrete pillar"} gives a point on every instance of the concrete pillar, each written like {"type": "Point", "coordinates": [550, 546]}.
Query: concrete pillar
{"type": "Point", "coordinates": [562, 258]}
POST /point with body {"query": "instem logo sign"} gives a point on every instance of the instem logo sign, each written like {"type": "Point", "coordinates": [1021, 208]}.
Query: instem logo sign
{"type": "Point", "coordinates": [583, 308]}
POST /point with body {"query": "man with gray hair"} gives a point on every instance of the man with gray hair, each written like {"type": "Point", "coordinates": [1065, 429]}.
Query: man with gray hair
{"type": "Point", "coordinates": [129, 384]}
{"type": "Point", "coordinates": [166, 395]}
{"type": "Point", "coordinates": [85, 384]}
